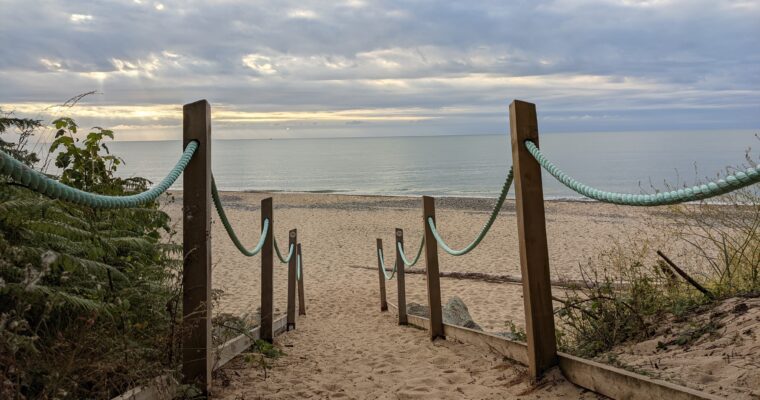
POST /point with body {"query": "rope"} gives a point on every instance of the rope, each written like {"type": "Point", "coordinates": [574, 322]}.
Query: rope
{"type": "Point", "coordinates": [417, 258]}
{"type": "Point", "coordinates": [40, 183]}
{"type": "Point", "coordinates": [228, 227]}
{"type": "Point", "coordinates": [279, 255]}
{"type": "Point", "coordinates": [700, 192]}
{"type": "Point", "coordinates": [298, 267]}
{"type": "Point", "coordinates": [382, 264]}
{"type": "Point", "coordinates": [485, 228]}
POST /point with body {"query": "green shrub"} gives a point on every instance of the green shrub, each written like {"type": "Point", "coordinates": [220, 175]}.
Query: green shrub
{"type": "Point", "coordinates": [89, 299]}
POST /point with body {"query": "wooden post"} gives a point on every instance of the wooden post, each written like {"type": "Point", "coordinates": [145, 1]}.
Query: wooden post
{"type": "Point", "coordinates": [433, 277]}
{"type": "Point", "coordinates": [196, 230]}
{"type": "Point", "coordinates": [301, 299]}
{"type": "Point", "coordinates": [267, 273]}
{"type": "Point", "coordinates": [400, 280]}
{"type": "Point", "coordinates": [293, 240]}
{"type": "Point", "coordinates": [381, 273]}
{"type": "Point", "coordinates": [534, 253]}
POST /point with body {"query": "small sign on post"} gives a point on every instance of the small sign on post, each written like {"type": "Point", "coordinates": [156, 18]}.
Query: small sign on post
{"type": "Point", "coordinates": [534, 253]}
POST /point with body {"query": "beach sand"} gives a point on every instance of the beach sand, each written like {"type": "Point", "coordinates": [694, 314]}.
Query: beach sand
{"type": "Point", "coordinates": [344, 346]}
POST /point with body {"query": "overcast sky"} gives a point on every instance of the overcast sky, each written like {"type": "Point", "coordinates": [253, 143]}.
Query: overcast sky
{"type": "Point", "coordinates": [347, 68]}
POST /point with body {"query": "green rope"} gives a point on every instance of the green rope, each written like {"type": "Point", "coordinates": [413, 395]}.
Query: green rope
{"type": "Point", "coordinates": [699, 192]}
{"type": "Point", "coordinates": [298, 267]}
{"type": "Point", "coordinates": [417, 258]}
{"type": "Point", "coordinates": [382, 265]}
{"type": "Point", "coordinates": [279, 255]}
{"type": "Point", "coordinates": [228, 227]}
{"type": "Point", "coordinates": [485, 228]}
{"type": "Point", "coordinates": [40, 183]}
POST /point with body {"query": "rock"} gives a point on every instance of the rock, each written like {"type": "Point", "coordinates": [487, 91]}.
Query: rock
{"type": "Point", "coordinates": [418, 310]}
{"type": "Point", "coordinates": [455, 312]}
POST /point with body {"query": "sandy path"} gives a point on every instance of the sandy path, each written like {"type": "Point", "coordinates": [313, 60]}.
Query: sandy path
{"type": "Point", "coordinates": [345, 347]}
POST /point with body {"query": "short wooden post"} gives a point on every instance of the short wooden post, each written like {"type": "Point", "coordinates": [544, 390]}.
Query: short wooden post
{"type": "Point", "coordinates": [400, 280]}
{"type": "Point", "coordinates": [293, 240]}
{"type": "Point", "coordinates": [433, 276]}
{"type": "Point", "coordinates": [381, 274]}
{"type": "Point", "coordinates": [267, 273]}
{"type": "Point", "coordinates": [196, 229]}
{"type": "Point", "coordinates": [534, 253]}
{"type": "Point", "coordinates": [301, 299]}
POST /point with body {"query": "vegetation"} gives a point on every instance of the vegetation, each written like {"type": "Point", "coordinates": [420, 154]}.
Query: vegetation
{"type": "Point", "coordinates": [629, 292]}
{"type": "Point", "coordinates": [89, 299]}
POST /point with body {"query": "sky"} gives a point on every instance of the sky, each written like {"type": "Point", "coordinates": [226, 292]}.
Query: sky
{"type": "Point", "coordinates": [284, 69]}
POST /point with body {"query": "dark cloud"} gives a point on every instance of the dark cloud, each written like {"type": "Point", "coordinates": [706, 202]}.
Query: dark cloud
{"type": "Point", "coordinates": [588, 64]}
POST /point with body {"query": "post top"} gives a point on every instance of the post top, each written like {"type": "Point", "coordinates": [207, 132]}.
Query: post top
{"type": "Point", "coordinates": [201, 102]}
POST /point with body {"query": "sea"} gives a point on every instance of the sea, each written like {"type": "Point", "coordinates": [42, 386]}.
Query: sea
{"type": "Point", "coordinates": [462, 166]}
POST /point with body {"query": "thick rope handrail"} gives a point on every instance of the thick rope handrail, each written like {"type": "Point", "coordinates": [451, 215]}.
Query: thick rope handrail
{"type": "Point", "coordinates": [700, 192]}
{"type": "Point", "coordinates": [40, 183]}
{"type": "Point", "coordinates": [484, 230]}
{"type": "Point", "coordinates": [228, 227]}
{"type": "Point", "coordinates": [382, 264]}
{"type": "Point", "coordinates": [279, 255]}
{"type": "Point", "coordinates": [417, 258]}
{"type": "Point", "coordinates": [298, 267]}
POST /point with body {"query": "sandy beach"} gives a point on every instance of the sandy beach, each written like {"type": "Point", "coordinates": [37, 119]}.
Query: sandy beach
{"type": "Point", "coordinates": [345, 347]}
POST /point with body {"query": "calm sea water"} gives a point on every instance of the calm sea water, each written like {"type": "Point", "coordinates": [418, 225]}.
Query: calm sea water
{"type": "Point", "coordinates": [450, 165]}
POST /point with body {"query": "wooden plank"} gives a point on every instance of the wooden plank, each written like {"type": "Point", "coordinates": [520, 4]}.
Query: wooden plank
{"type": "Point", "coordinates": [381, 274]}
{"type": "Point", "coordinates": [165, 387]}
{"type": "Point", "coordinates": [400, 279]}
{"type": "Point", "coordinates": [292, 241]}
{"type": "Point", "coordinates": [431, 267]}
{"type": "Point", "coordinates": [534, 253]}
{"type": "Point", "coordinates": [267, 272]}
{"type": "Point", "coordinates": [612, 382]}
{"type": "Point", "coordinates": [241, 343]}
{"type": "Point", "coordinates": [196, 231]}
{"type": "Point", "coordinates": [621, 384]}
{"type": "Point", "coordinates": [301, 298]}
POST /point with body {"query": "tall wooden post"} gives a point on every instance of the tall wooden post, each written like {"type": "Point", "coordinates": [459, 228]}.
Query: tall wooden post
{"type": "Point", "coordinates": [400, 279]}
{"type": "Point", "coordinates": [381, 274]}
{"type": "Point", "coordinates": [433, 276]}
{"type": "Point", "coordinates": [267, 273]}
{"type": "Point", "coordinates": [293, 240]}
{"type": "Point", "coordinates": [301, 299]}
{"type": "Point", "coordinates": [534, 253]}
{"type": "Point", "coordinates": [196, 230]}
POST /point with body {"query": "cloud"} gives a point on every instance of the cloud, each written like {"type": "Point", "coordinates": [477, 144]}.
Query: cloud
{"type": "Point", "coordinates": [626, 64]}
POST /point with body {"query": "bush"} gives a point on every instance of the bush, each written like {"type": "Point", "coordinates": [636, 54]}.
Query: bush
{"type": "Point", "coordinates": [627, 294]}
{"type": "Point", "coordinates": [89, 299]}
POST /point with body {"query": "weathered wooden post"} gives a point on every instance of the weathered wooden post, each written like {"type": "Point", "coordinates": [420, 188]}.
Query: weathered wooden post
{"type": "Point", "coordinates": [301, 299]}
{"type": "Point", "coordinates": [196, 230]}
{"type": "Point", "coordinates": [381, 273]}
{"type": "Point", "coordinates": [433, 277]}
{"type": "Point", "coordinates": [534, 253]}
{"type": "Point", "coordinates": [293, 240]}
{"type": "Point", "coordinates": [267, 273]}
{"type": "Point", "coordinates": [400, 280]}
